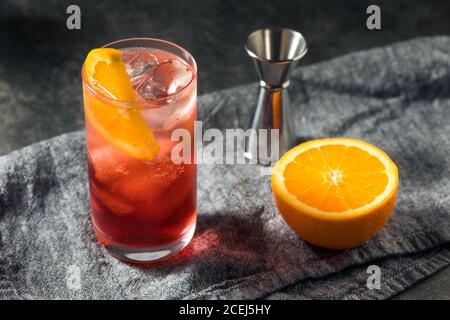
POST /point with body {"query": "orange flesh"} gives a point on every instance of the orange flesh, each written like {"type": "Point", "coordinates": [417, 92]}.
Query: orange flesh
{"type": "Point", "coordinates": [122, 126]}
{"type": "Point", "coordinates": [335, 178]}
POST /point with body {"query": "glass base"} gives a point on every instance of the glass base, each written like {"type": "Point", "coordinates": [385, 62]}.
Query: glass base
{"type": "Point", "coordinates": [145, 255]}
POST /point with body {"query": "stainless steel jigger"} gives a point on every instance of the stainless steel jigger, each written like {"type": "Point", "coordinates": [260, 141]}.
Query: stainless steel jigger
{"type": "Point", "coordinates": [275, 53]}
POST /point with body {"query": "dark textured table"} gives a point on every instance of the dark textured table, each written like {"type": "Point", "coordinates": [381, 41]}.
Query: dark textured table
{"type": "Point", "coordinates": [40, 58]}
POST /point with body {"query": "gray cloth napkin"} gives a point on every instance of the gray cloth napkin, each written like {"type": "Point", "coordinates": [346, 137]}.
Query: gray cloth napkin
{"type": "Point", "coordinates": [396, 97]}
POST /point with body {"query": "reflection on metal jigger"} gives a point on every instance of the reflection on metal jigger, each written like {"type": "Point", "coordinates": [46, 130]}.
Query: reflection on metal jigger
{"type": "Point", "coordinates": [275, 53]}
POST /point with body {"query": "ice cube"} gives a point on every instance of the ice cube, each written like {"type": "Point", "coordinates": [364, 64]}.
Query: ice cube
{"type": "Point", "coordinates": [147, 180]}
{"type": "Point", "coordinates": [167, 78]}
{"type": "Point", "coordinates": [179, 75]}
{"type": "Point", "coordinates": [108, 164]}
{"type": "Point", "coordinates": [138, 61]}
{"type": "Point", "coordinates": [149, 89]}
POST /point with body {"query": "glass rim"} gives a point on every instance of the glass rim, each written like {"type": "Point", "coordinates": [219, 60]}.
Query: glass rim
{"type": "Point", "coordinates": [157, 100]}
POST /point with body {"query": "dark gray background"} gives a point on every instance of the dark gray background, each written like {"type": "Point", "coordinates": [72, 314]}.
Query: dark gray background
{"type": "Point", "coordinates": [40, 59]}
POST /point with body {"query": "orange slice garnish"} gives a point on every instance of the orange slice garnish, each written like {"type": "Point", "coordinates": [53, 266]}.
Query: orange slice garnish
{"type": "Point", "coordinates": [335, 193]}
{"type": "Point", "coordinates": [120, 123]}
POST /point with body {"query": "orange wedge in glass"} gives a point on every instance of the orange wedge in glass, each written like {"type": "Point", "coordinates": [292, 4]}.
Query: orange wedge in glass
{"type": "Point", "coordinates": [335, 193]}
{"type": "Point", "coordinates": [113, 112]}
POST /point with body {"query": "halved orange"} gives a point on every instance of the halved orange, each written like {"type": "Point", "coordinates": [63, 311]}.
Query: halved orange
{"type": "Point", "coordinates": [119, 122]}
{"type": "Point", "coordinates": [335, 193]}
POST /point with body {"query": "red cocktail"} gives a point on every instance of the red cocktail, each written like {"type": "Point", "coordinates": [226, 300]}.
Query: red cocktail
{"type": "Point", "coordinates": [143, 200]}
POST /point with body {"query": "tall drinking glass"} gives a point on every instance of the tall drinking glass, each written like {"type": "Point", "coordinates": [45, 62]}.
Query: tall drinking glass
{"type": "Point", "coordinates": [144, 210]}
